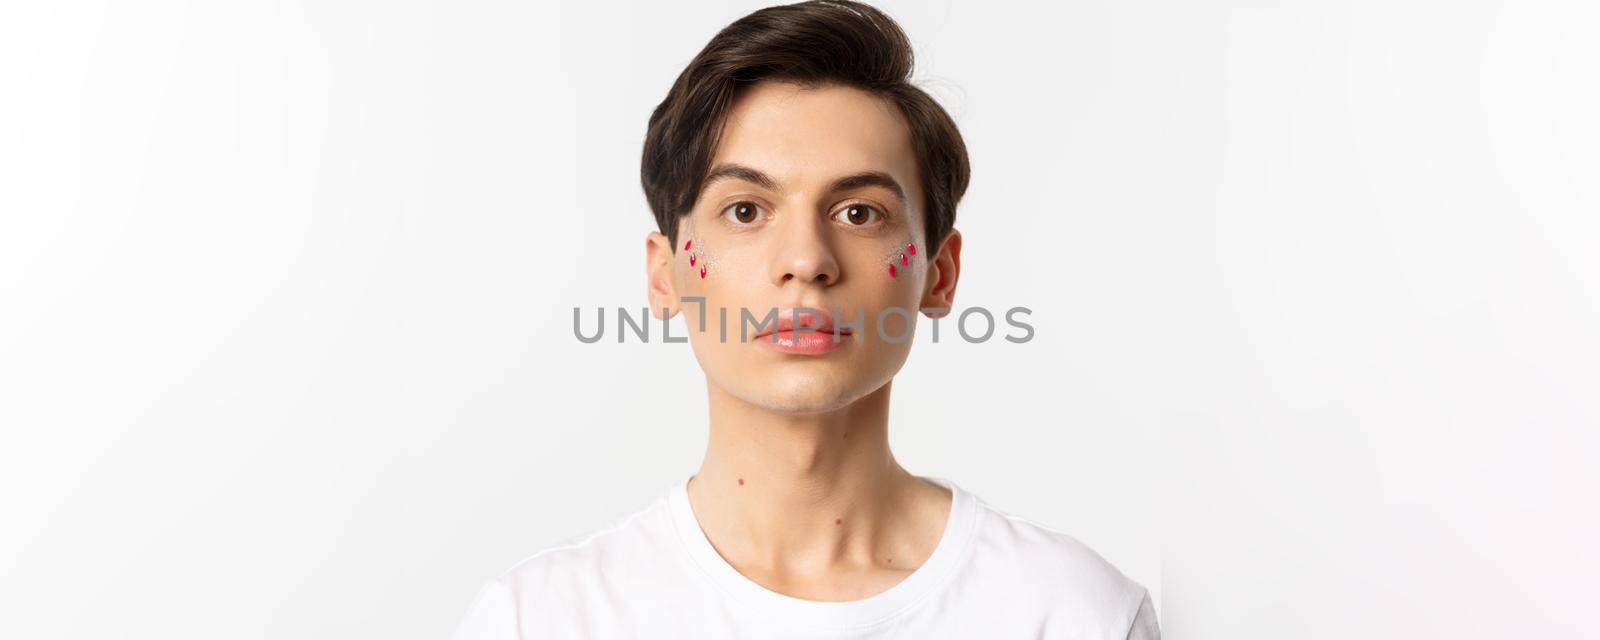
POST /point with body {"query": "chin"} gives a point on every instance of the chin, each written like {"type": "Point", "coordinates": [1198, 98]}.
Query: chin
{"type": "Point", "coordinates": [802, 394]}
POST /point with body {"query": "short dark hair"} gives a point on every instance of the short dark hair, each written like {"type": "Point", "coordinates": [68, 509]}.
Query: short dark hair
{"type": "Point", "coordinates": [810, 43]}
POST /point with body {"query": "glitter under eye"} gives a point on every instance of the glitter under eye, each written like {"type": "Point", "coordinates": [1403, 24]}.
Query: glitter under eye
{"type": "Point", "coordinates": [695, 247]}
{"type": "Point", "coordinates": [902, 256]}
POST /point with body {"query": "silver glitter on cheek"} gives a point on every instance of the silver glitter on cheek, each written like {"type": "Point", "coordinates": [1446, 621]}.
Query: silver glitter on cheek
{"type": "Point", "coordinates": [902, 257]}
{"type": "Point", "coordinates": [694, 247]}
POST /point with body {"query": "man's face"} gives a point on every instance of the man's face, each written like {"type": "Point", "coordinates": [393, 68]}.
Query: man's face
{"type": "Point", "coordinates": [813, 201]}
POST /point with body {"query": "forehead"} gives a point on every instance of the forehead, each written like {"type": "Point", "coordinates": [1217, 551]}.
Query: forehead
{"type": "Point", "coordinates": [807, 136]}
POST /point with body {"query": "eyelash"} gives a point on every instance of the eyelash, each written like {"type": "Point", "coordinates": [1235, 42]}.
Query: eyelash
{"type": "Point", "coordinates": [881, 219]}
{"type": "Point", "coordinates": [735, 223]}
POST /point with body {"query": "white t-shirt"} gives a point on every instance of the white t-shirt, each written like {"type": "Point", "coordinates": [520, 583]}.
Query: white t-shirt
{"type": "Point", "coordinates": [653, 574]}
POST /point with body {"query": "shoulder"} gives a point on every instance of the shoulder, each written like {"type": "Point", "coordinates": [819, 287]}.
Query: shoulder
{"type": "Point", "coordinates": [572, 577]}
{"type": "Point", "coordinates": [622, 545]}
{"type": "Point", "coordinates": [1057, 572]}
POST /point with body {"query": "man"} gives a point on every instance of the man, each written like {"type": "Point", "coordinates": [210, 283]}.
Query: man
{"type": "Point", "coordinates": [792, 167]}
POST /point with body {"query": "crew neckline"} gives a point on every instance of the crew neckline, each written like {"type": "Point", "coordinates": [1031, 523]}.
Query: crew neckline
{"type": "Point", "coordinates": [795, 612]}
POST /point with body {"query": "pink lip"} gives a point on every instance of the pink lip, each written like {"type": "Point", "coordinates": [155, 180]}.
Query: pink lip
{"type": "Point", "coordinates": [817, 341]}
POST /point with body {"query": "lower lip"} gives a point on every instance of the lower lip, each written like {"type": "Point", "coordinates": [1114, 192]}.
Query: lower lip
{"type": "Point", "coordinates": [803, 342]}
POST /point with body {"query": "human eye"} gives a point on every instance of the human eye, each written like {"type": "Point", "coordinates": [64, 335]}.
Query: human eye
{"type": "Point", "coordinates": [742, 213]}
{"type": "Point", "coordinates": [859, 214]}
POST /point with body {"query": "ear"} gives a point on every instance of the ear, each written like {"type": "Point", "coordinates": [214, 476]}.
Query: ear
{"type": "Point", "coordinates": [943, 272]}
{"type": "Point", "coordinates": [663, 291]}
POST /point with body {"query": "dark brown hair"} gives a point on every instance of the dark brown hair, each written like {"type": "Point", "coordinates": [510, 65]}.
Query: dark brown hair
{"type": "Point", "coordinates": [811, 43]}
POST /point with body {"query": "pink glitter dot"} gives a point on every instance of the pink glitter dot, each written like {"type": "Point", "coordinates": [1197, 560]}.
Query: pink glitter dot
{"type": "Point", "coordinates": [904, 261]}
{"type": "Point", "coordinates": [891, 271]}
{"type": "Point", "coordinates": [686, 244]}
{"type": "Point", "coordinates": [702, 272]}
{"type": "Point", "coordinates": [912, 248]}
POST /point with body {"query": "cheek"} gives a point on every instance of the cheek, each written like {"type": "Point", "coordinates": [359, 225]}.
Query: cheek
{"type": "Point", "coordinates": [706, 263]}
{"type": "Point", "coordinates": [889, 282]}
{"type": "Point", "coordinates": [695, 254]}
{"type": "Point", "coordinates": [902, 260]}
{"type": "Point", "coordinates": [730, 279]}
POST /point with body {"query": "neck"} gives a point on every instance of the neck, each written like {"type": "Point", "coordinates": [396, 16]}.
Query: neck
{"type": "Point", "coordinates": [778, 490]}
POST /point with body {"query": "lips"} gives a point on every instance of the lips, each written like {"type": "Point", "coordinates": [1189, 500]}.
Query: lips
{"type": "Point", "coordinates": [819, 320]}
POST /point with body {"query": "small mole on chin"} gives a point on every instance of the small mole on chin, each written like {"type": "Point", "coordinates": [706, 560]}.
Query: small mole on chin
{"type": "Point", "coordinates": [838, 520]}
{"type": "Point", "coordinates": [741, 482]}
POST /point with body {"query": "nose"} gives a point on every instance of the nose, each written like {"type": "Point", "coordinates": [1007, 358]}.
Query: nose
{"type": "Point", "coordinates": [806, 255]}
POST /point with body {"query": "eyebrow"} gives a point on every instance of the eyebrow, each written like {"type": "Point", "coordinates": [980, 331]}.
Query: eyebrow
{"type": "Point", "coordinates": [869, 179]}
{"type": "Point", "coordinates": [730, 171]}
{"type": "Point", "coordinates": [738, 172]}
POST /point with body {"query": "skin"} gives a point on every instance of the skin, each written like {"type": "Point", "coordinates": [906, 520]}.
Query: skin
{"type": "Point", "coordinates": [798, 489]}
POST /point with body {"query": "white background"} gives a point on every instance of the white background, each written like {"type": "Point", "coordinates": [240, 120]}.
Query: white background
{"type": "Point", "coordinates": [286, 294]}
